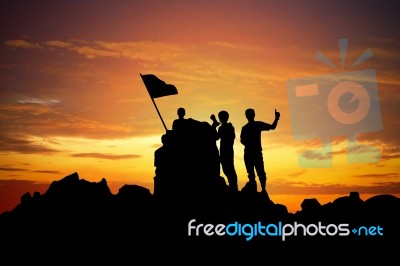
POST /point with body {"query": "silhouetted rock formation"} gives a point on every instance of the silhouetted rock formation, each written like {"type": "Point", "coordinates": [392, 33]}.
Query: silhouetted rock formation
{"type": "Point", "coordinates": [74, 215]}
{"type": "Point", "coordinates": [188, 163]}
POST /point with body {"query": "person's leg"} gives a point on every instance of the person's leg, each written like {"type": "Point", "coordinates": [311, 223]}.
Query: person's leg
{"type": "Point", "coordinates": [259, 165]}
{"type": "Point", "coordinates": [229, 170]}
{"type": "Point", "coordinates": [249, 163]}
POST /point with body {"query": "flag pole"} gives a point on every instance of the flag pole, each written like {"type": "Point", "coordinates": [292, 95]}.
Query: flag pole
{"type": "Point", "coordinates": [158, 112]}
{"type": "Point", "coordinates": [162, 120]}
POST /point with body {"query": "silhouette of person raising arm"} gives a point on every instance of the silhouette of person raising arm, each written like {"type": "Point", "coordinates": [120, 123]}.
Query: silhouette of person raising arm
{"type": "Point", "coordinates": [250, 137]}
{"type": "Point", "coordinates": [226, 135]}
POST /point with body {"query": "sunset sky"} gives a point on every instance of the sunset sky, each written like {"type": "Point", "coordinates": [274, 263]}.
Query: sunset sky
{"type": "Point", "coordinates": [72, 99]}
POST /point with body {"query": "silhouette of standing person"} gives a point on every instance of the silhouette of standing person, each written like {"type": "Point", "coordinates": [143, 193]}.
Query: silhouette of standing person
{"type": "Point", "coordinates": [250, 137]}
{"type": "Point", "coordinates": [180, 122]}
{"type": "Point", "coordinates": [162, 162]}
{"type": "Point", "coordinates": [226, 135]}
{"type": "Point", "coordinates": [162, 156]}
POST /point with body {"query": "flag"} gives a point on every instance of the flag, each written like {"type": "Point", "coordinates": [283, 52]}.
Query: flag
{"type": "Point", "coordinates": [156, 87]}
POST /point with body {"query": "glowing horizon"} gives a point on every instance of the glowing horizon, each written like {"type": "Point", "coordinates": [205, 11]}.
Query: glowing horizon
{"type": "Point", "coordinates": [72, 99]}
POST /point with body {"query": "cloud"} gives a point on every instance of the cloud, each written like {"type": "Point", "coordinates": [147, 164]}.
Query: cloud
{"type": "Point", "coordinates": [42, 119]}
{"type": "Point", "coordinates": [15, 169]}
{"type": "Point", "coordinates": [23, 145]}
{"type": "Point", "coordinates": [235, 46]}
{"type": "Point", "coordinates": [387, 148]}
{"type": "Point", "coordinates": [59, 44]}
{"type": "Point", "coordinates": [390, 150]}
{"type": "Point", "coordinates": [297, 174]}
{"type": "Point", "coordinates": [92, 52]}
{"type": "Point", "coordinates": [292, 188]}
{"type": "Point", "coordinates": [384, 40]}
{"type": "Point", "coordinates": [106, 156]}
{"type": "Point", "coordinates": [384, 53]}
{"type": "Point", "coordinates": [18, 182]}
{"type": "Point", "coordinates": [389, 156]}
{"type": "Point", "coordinates": [314, 155]}
{"type": "Point", "coordinates": [145, 51]}
{"type": "Point", "coordinates": [12, 169]}
{"type": "Point", "coordinates": [22, 44]}
{"type": "Point", "coordinates": [13, 111]}
{"type": "Point", "coordinates": [385, 175]}
{"type": "Point", "coordinates": [39, 101]}
{"type": "Point", "coordinates": [359, 149]}
{"type": "Point", "coordinates": [47, 172]}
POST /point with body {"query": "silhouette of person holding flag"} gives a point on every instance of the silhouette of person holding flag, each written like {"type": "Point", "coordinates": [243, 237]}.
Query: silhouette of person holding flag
{"type": "Point", "coordinates": [250, 137]}
{"type": "Point", "coordinates": [180, 122]}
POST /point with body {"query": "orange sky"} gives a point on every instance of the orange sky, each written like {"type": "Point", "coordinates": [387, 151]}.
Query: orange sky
{"type": "Point", "coordinates": [72, 99]}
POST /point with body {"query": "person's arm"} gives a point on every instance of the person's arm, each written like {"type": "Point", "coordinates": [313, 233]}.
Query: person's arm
{"type": "Point", "coordinates": [243, 137]}
{"type": "Point", "coordinates": [275, 123]}
{"type": "Point", "coordinates": [266, 126]}
{"type": "Point", "coordinates": [214, 125]}
{"type": "Point", "coordinates": [232, 134]}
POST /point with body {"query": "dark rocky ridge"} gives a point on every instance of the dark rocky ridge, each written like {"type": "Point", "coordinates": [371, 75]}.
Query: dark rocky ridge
{"type": "Point", "coordinates": [87, 214]}
{"type": "Point", "coordinates": [75, 216]}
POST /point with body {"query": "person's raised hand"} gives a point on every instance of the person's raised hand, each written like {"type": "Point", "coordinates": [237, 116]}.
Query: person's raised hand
{"type": "Point", "coordinates": [277, 114]}
{"type": "Point", "coordinates": [215, 121]}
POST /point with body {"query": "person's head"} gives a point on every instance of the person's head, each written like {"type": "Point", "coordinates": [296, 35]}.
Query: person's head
{"type": "Point", "coordinates": [223, 116]}
{"type": "Point", "coordinates": [250, 114]}
{"type": "Point", "coordinates": [181, 112]}
{"type": "Point", "coordinates": [164, 138]}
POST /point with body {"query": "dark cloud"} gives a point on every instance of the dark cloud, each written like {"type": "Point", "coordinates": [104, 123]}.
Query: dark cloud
{"type": "Point", "coordinates": [385, 175]}
{"type": "Point", "coordinates": [291, 188]}
{"type": "Point", "coordinates": [17, 182]}
{"type": "Point", "coordinates": [315, 155]}
{"type": "Point", "coordinates": [47, 172]}
{"type": "Point", "coordinates": [386, 150]}
{"type": "Point", "coordinates": [390, 156]}
{"type": "Point", "coordinates": [22, 44]}
{"type": "Point", "coordinates": [359, 149]}
{"type": "Point", "coordinates": [106, 156]}
{"type": "Point", "coordinates": [296, 174]}
{"type": "Point", "coordinates": [23, 145]}
{"type": "Point", "coordinates": [47, 120]}
{"type": "Point", "coordinates": [12, 169]}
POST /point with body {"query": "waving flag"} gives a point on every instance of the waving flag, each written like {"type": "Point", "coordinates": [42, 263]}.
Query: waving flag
{"type": "Point", "coordinates": [156, 87]}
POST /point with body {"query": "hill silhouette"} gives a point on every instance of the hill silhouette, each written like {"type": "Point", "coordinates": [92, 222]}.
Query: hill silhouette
{"type": "Point", "coordinates": [76, 218]}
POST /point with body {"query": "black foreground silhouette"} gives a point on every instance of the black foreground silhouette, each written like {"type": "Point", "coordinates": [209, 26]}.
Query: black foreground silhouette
{"type": "Point", "coordinates": [74, 215]}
